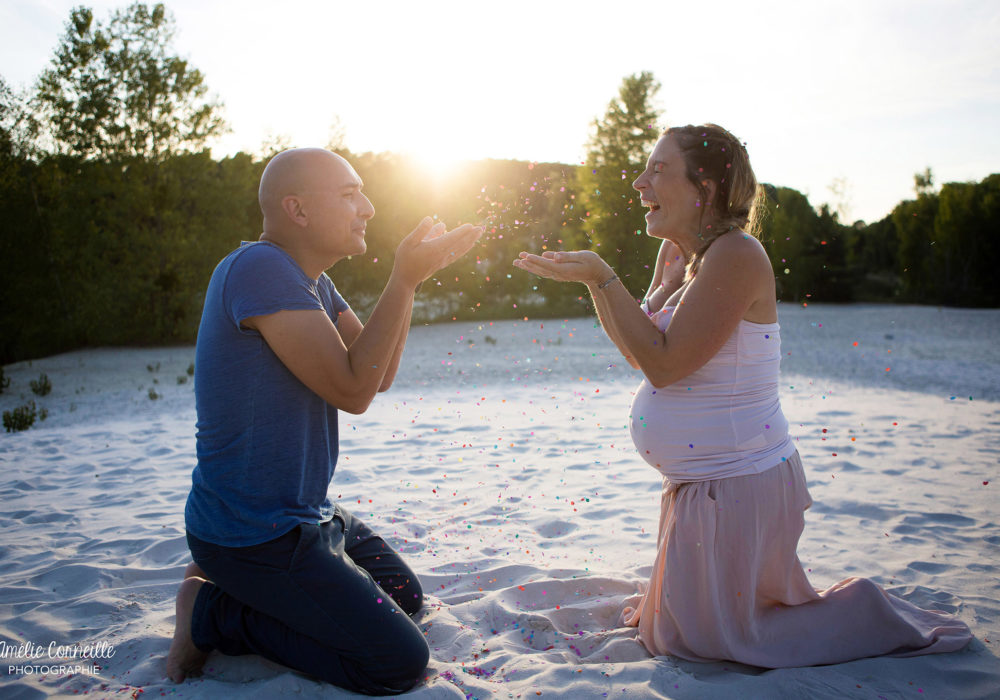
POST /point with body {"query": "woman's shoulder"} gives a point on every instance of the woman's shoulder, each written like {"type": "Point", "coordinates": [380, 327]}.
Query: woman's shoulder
{"type": "Point", "coordinates": [738, 248]}
{"type": "Point", "coordinates": [737, 261]}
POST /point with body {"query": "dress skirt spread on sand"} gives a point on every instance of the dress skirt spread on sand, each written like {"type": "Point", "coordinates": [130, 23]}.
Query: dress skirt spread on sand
{"type": "Point", "coordinates": [727, 584]}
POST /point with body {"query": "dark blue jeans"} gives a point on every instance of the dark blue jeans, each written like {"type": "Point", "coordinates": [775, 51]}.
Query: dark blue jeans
{"type": "Point", "coordinates": [332, 600]}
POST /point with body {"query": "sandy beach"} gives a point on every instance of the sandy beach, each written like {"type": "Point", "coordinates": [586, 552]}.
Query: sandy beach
{"type": "Point", "coordinates": [500, 465]}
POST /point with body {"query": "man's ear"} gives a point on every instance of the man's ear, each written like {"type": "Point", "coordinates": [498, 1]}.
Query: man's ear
{"type": "Point", "coordinates": [294, 209]}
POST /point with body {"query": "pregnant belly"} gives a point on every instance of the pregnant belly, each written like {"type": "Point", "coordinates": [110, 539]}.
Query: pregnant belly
{"type": "Point", "coordinates": [670, 427]}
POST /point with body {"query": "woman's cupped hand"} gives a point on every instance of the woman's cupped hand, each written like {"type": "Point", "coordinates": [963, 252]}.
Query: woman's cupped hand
{"type": "Point", "coordinates": [566, 266]}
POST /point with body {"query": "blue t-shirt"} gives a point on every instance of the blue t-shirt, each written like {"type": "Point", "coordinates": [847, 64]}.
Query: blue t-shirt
{"type": "Point", "coordinates": [267, 444]}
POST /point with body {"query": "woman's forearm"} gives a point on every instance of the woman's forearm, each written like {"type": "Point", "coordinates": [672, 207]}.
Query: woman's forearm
{"type": "Point", "coordinates": [637, 338]}
{"type": "Point", "coordinates": [607, 319]}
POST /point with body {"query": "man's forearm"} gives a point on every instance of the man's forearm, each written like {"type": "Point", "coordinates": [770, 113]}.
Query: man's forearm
{"type": "Point", "coordinates": [397, 355]}
{"type": "Point", "coordinates": [378, 347]}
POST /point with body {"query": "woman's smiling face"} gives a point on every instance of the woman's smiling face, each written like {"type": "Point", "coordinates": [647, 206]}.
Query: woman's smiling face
{"type": "Point", "coordinates": [675, 204]}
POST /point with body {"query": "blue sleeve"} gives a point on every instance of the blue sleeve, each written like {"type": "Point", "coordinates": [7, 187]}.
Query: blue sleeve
{"type": "Point", "coordinates": [264, 280]}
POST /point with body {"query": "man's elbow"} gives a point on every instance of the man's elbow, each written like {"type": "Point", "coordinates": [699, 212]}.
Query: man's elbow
{"type": "Point", "coordinates": [355, 409]}
{"type": "Point", "coordinates": [354, 403]}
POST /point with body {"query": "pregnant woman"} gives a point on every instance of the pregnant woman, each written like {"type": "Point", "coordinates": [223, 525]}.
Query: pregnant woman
{"type": "Point", "coordinates": [727, 583]}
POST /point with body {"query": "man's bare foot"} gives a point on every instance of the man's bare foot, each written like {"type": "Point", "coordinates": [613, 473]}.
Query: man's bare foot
{"type": "Point", "coordinates": [184, 658]}
{"type": "Point", "coordinates": [195, 570]}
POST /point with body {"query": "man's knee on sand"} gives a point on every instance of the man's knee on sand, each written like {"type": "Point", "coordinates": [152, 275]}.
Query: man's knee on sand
{"type": "Point", "coordinates": [402, 666]}
{"type": "Point", "coordinates": [413, 660]}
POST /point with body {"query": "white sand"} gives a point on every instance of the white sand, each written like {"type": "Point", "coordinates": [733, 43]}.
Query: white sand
{"type": "Point", "coordinates": [504, 472]}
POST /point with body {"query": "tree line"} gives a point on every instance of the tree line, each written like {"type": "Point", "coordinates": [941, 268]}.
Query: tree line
{"type": "Point", "coordinates": [115, 213]}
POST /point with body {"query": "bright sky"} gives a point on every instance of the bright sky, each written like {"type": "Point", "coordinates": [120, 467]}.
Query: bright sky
{"type": "Point", "coordinates": [870, 91]}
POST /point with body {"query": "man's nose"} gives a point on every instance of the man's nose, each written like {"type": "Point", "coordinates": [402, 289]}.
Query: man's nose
{"type": "Point", "coordinates": [367, 211]}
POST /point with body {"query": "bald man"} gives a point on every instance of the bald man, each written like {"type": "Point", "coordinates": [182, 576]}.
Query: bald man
{"type": "Point", "coordinates": [279, 570]}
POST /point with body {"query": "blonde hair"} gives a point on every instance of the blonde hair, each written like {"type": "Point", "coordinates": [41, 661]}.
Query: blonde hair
{"type": "Point", "coordinates": [712, 153]}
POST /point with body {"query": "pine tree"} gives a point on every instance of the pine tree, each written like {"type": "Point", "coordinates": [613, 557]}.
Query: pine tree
{"type": "Point", "coordinates": [616, 155]}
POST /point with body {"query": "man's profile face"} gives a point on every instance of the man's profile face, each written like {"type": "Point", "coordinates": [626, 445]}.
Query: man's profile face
{"type": "Point", "coordinates": [338, 209]}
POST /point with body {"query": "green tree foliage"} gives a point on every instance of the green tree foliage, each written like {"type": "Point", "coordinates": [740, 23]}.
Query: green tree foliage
{"type": "Point", "coordinates": [116, 90]}
{"type": "Point", "coordinates": [965, 241]}
{"type": "Point", "coordinates": [8, 118]}
{"type": "Point", "coordinates": [987, 229]}
{"type": "Point", "coordinates": [7, 106]}
{"type": "Point", "coordinates": [948, 243]}
{"type": "Point", "coordinates": [109, 228]}
{"type": "Point", "coordinates": [110, 235]}
{"type": "Point", "coordinates": [127, 253]}
{"type": "Point", "coordinates": [871, 257]}
{"type": "Point", "coordinates": [616, 155]}
{"type": "Point", "coordinates": [914, 224]}
{"type": "Point", "coordinates": [808, 249]}
{"type": "Point", "coordinates": [828, 258]}
{"type": "Point", "coordinates": [923, 183]}
{"type": "Point", "coordinates": [782, 235]}
{"type": "Point", "coordinates": [24, 249]}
